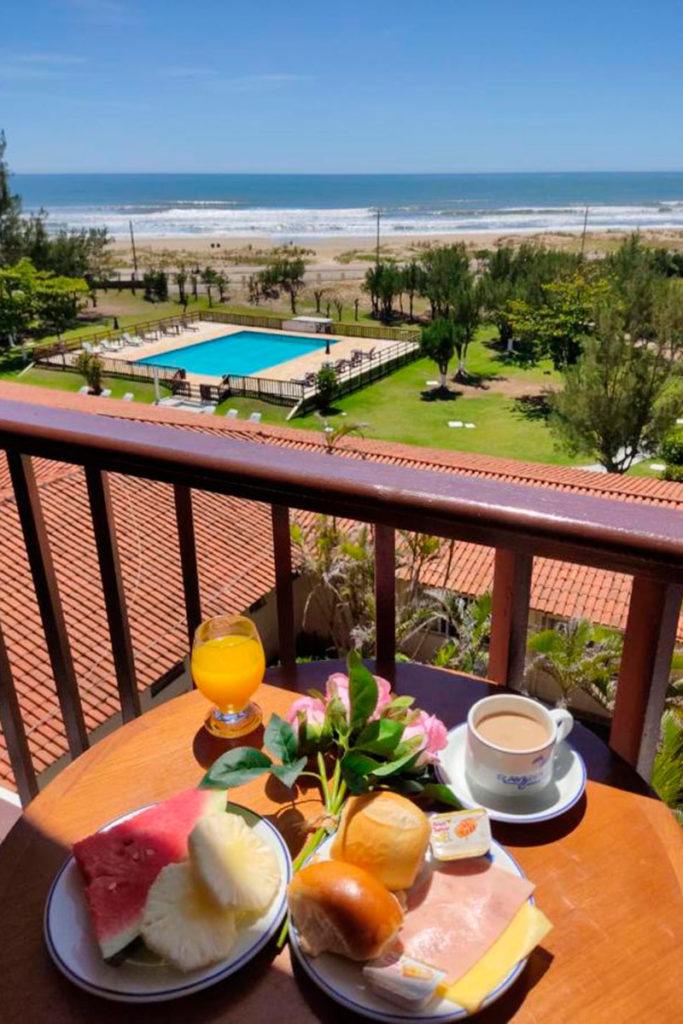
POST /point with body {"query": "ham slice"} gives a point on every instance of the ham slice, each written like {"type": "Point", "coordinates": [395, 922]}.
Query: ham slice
{"type": "Point", "coordinates": [456, 913]}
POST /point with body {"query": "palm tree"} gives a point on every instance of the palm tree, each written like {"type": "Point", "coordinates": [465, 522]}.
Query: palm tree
{"type": "Point", "coordinates": [209, 279]}
{"type": "Point", "coordinates": [180, 278]}
{"type": "Point", "coordinates": [223, 283]}
{"type": "Point", "coordinates": [579, 655]}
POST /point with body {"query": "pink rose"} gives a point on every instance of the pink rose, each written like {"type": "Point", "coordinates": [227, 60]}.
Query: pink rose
{"type": "Point", "coordinates": [312, 708]}
{"type": "Point", "coordinates": [432, 735]}
{"type": "Point", "coordinates": [338, 686]}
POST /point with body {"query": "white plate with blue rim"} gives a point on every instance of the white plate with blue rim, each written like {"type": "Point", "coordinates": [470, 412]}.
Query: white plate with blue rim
{"type": "Point", "coordinates": [142, 977]}
{"type": "Point", "coordinates": [563, 791]}
{"type": "Point", "coordinates": [342, 979]}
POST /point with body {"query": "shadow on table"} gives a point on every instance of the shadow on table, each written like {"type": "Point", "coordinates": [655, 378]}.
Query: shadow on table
{"type": "Point", "coordinates": [503, 1010]}
{"type": "Point", "coordinates": [207, 748]}
{"type": "Point", "coordinates": [542, 832]}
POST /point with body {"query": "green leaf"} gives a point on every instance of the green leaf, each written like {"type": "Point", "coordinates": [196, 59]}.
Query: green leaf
{"type": "Point", "coordinates": [356, 763]}
{"type": "Point", "coordinates": [236, 767]}
{"type": "Point", "coordinates": [335, 717]}
{"type": "Point", "coordinates": [318, 695]}
{"type": "Point", "coordinates": [280, 739]}
{"type": "Point", "coordinates": [363, 692]}
{"type": "Point", "coordinates": [401, 702]}
{"type": "Point", "coordinates": [288, 773]}
{"type": "Point", "coordinates": [436, 792]}
{"type": "Point", "coordinates": [380, 737]}
{"type": "Point", "coordinates": [392, 767]}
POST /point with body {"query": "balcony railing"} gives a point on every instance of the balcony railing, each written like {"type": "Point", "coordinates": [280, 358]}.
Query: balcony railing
{"type": "Point", "coordinates": [520, 522]}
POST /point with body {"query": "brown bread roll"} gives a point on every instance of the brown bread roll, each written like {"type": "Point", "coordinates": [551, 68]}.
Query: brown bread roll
{"type": "Point", "coordinates": [341, 908]}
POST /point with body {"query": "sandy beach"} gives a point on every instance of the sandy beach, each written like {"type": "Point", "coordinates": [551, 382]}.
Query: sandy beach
{"type": "Point", "coordinates": [349, 256]}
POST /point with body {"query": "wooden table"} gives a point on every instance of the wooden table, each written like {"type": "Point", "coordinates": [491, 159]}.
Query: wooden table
{"type": "Point", "coordinates": [609, 874]}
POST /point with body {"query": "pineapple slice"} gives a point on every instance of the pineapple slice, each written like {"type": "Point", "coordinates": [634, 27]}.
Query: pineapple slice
{"type": "Point", "coordinates": [182, 924]}
{"type": "Point", "coordinates": [238, 869]}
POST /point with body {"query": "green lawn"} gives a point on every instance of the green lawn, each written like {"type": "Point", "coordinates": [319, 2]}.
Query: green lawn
{"type": "Point", "coordinates": [62, 381]}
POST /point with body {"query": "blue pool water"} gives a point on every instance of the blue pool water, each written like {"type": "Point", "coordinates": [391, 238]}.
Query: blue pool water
{"type": "Point", "coordinates": [245, 352]}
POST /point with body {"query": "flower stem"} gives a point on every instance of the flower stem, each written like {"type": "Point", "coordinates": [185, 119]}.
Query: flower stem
{"type": "Point", "coordinates": [323, 781]}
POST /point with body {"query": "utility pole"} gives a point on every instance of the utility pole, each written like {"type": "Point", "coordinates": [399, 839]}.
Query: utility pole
{"type": "Point", "coordinates": [378, 217]}
{"type": "Point", "coordinates": [132, 242]}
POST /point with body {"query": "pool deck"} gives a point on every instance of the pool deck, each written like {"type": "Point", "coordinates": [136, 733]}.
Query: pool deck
{"type": "Point", "coordinates": [291, 369]}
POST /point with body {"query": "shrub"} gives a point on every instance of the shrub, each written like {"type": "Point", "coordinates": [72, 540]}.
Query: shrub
{"type": "Point", "coordinates": [671, 450]}
{"type": "Point", "coordinates": [326, 382]}
{"type": "Point", "coordinates": [674, 473]}
{"type": "Point", "coordinates": [91, 367]}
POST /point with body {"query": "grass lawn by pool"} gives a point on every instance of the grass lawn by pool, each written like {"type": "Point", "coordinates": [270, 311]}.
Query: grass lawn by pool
{"type": "Point", "coordinates": [60, 381]}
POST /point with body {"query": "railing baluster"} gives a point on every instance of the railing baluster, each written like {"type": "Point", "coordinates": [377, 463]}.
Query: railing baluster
{"type": "Point", "coordinates": [284, 593]}
{"type": "Point", "coordinates": [49, 601]}
{"type": "Point", "coordinates": [14, 732]}
{"type": "Point", "coordinates": [509, 617]}
{"type": "Point", "coordinates": [645, 669]}
{"type": "Point", "coordinates": [385, 599]}
{"type": "Point", "coordinates": [112, 585]}
{"type": "Point", "coordinates": [188, 557]}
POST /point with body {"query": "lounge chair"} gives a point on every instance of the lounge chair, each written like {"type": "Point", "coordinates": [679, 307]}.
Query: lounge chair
{"type": "Point", "coordinates": [341, 365]}
{"type": "Point", "coordinates": [370, 354]}
{"type": "Point", "coordinates": [232, 414]}
{"type": "Point", "coordinates": [129, 397]}
{"type": "Point", "coordinates": [310, 379]}
{"type": "Point", "coordinates": [87, 347]}
{"type": "Point", "coordinates": [255, 417]}
{"type": "Point", "coordinates": [106, 393]}
{"type": "Point", "coordinates": [85, 390]}
{"type": "Point", "coordinates": [130, 339]}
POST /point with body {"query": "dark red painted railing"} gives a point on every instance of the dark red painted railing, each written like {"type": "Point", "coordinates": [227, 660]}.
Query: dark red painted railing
{"type": "Point", "coordinates": [520, 522]}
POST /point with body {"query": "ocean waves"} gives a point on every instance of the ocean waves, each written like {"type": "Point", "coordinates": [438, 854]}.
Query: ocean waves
{"type": "Point", "coordinates": [212, 218]}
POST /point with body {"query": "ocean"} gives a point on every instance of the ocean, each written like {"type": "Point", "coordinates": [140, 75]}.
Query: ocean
{"type": "Point", "coordinates": [309, 206]}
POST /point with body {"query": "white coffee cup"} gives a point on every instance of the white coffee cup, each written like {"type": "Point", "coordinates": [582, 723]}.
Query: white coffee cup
{"type": "Point", "coordinates": [513, 773]}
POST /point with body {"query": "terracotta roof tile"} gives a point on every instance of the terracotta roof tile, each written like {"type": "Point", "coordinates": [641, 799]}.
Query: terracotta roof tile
{"type": "Point", "coordinates": [235, 557]}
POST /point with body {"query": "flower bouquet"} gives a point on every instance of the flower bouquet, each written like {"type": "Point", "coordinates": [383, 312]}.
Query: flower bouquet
{"type": "Point", "coordinates": [353, 738]}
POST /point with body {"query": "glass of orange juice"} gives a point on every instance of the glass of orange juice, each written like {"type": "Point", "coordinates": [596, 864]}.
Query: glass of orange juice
{"type": "Point", "coordinates": [227, 665]}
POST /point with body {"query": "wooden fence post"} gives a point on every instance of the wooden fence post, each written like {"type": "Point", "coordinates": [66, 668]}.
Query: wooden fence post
{"type": "Point", "coordinates": [509, 617]}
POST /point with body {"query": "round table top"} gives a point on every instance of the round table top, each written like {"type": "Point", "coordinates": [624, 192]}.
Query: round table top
{"type": "Point", "coordinates": [608, 874]}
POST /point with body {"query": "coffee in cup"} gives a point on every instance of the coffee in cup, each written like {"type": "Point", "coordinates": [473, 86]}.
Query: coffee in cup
{"type": "Point", "coordinates": [511, 743]}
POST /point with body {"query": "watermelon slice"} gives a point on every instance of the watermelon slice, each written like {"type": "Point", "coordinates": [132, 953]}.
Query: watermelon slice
{"type": "Point", "coordinates": [120, 865]}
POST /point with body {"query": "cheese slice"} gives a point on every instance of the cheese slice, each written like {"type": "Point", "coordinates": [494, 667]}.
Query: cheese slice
{"type": "Point", "coordinates": [528, 927]}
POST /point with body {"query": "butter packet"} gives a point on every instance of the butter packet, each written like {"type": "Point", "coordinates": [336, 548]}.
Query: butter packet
{"type": "Point", "coordinates": [459, 834]}
{"type": "Point", "coordinates": [403, 980]}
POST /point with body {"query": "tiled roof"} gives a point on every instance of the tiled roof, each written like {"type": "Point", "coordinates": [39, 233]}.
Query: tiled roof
{"type": "Point", "coordinates": [235, 557]}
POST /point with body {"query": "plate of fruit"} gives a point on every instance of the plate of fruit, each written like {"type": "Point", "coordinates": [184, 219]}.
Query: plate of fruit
{"type": "Point", "coordinates": [168, 899]}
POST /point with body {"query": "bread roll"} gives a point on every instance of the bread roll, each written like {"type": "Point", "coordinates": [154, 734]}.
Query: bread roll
{"type": "Point", "coordinates": [340, 908]}
{"type": "Point", "coordinates": [386, 834]}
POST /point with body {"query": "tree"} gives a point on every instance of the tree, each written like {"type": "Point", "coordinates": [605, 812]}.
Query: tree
{"type": "Point", "coordinates": [326, 386]}
{"type": "Point", "coordinates": [558, 326]}
{"type": "Point", "coordinates": [37, 300]}
{"type": "Point", "coordinates": [318, 296]}
{"type": "Point", "coordinates": [180, 278]}
{"type": "Point", "coordinates": [209, 279]}
{"type": "Point", "coordinates": [437, 343]}
{"type": "Point", "coordinates": [383, 282]}
{"type": "Point", "coordinates": [283, 273]}
{"type": "Point", "coordinates": [465, 320]}
{"type": "Point", "coordinates": [223, 283]}
{"type": "Point", "coordinates": [91, 367]}
{"type": "Point", "coordinates": [578, 655]}
{"type": "Point", "coordinates": [412, 282]}
{"type": "Point", "coordinates": [622, 397]}
{"type": "Point", "coordinates": [67, 253]}
{"type": "Point", "coordinates": [339, 307]}
{"type": "Point", "coordinates": [443, 270]}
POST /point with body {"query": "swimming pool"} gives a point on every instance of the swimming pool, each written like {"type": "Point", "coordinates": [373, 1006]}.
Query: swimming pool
{"type": "Point", "coordinates": [245, 352]}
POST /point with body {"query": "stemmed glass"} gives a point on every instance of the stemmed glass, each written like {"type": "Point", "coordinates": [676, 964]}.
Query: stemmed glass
{"type": "Point", "coordinates": [227, 665]}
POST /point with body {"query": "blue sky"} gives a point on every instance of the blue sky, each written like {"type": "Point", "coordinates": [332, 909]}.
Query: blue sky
{"type": "Point", "coordinates": [373, 86]}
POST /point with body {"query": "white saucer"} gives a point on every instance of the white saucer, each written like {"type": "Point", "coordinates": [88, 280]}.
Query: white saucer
{"type": "Point", "coordinates": [566, 788]}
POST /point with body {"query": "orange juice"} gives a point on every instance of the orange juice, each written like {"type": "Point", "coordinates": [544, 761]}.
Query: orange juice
{"type": "Point", "coordinates": [228, 669]}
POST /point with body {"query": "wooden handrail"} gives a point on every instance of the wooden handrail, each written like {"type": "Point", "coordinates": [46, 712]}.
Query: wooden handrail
{"type": "Point", "coordinates": [519, 521]}
{"type": "Point", "coordinates": [621, 536]}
